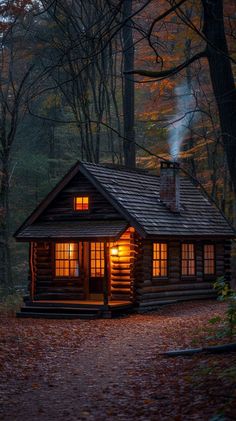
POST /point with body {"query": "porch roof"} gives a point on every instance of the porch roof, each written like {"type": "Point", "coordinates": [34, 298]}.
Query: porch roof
{"type": "Point", "coordinates": [81, 230]}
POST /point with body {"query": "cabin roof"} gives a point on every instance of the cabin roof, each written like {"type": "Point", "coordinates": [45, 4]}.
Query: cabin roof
{"type": "Point", "coordinates": [111, 230]}
{"type": "Point", "coordinates": [135, 194]}
{"type": "Point", "coordinates": [138, 195]}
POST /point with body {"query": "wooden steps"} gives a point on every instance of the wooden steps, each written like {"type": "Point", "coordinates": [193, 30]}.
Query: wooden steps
{"type": "Point", "coordinates": [59, 312]}
{"type": "Point", "coordinates": [75, 310]}
{"type": "Point", "coordinates": [60, 295]}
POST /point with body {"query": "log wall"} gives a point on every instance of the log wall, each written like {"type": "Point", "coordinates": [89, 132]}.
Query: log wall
{"type": "Point", "coordinates": [47, 287]}
{"type": "Point", "coordinates": [149, 291]}
{"type": "Point", "coordinates": [131, 273]}
{"type": "Point", "coordinates": [121, 267]}
{"type": "Point", "coordinates": [227, 260]}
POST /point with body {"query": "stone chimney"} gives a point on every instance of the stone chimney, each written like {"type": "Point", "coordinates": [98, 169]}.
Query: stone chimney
{"type": "Point", "coordinates": [169, 185]}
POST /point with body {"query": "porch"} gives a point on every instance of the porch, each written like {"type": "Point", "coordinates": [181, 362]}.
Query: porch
{"type": "Point", "coordinates": [74, 309]}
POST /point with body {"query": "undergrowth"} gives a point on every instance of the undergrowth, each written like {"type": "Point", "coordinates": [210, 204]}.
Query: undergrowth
{"type": "Point", "coordinates": [11, 303]}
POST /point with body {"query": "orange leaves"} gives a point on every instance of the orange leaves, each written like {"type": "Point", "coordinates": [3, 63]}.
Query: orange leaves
{"type": "Point", "coordinates": [105, 369]}
{"type": "Point", "coordinates": [162, 86]}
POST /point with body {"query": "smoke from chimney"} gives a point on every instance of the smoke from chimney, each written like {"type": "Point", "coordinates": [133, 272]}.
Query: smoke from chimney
{"type": "Point", "coordinates": [182, 119]}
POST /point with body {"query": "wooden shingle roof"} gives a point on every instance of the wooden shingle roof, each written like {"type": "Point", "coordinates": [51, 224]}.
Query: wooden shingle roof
{"type": "Point", "coordinates": [135, 195]}
{"type": "Point", "coordinates": [86, 230]}
{"type": "Point", "coordinates": [138, 195]}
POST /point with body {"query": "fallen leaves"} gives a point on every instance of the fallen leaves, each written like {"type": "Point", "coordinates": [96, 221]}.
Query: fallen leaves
{"type": "Point", "coordinates": [112, 369]}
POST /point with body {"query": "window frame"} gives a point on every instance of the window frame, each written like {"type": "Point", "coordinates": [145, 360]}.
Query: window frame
{"type": "Point", "coordinates": [83, 196]}
{"type": "Point", "coordinates": [194, 259]}
{"type": "Point", "coordinates": [102, 249]}
{"type": "Point", "coordinates": [55, 260]}
{"type": "Point", "coordinates": [209, 275]}
{"type": "Point", "coordinates": [160, 260]}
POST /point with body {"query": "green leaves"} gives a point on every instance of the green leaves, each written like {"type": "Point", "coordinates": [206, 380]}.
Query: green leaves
{"type": "Point", "coordinates": [225, 293]}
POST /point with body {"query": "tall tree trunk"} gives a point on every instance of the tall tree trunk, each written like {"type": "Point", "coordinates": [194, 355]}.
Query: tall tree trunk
{"type": "Point", "coordinates": [128, 88]}
{"type": "Point", "coordinates": [222, 78]}
{"type": "Point", "coordinates": [5, 254]}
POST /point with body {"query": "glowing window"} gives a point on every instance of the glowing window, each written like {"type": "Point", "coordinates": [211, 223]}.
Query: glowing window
{"type": "Point", "coordinates": [159, 259]}
{"type": "Point", "coordinates": [96, 260]}
{"type": "Point", "coordinates": [188, 259]}
{"type": "Point", "coordinates": [66, 259]}
{"type": "Point", "coordinates": [81, 203]}
{"type": "Point", "coordinates": [209, 259]}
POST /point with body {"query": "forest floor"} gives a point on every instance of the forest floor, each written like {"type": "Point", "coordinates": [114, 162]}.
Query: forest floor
{"type": "Point", "coordinates": [70, 370]}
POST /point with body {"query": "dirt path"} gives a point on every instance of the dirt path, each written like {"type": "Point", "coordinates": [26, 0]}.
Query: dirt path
{"type": "Point", "coordinates": [104, 369]}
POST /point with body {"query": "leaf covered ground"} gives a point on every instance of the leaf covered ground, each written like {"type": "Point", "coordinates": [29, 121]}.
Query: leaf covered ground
{"type": "Point", "coordinates": [113, 369]}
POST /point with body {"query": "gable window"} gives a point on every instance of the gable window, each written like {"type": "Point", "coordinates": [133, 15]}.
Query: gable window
{"type": "Point", "coordinates": [97, 260]}
{"type": "Point", "coordinates": [81, 203]}
{"type": "Point", "coordinates": [159, 268]}
{"type": "Point", "coordinates": [66, 259]}
{"type": "Point", "coordinates": [188, 259]}
{"type": "Point", "coordinates": [209, 259]}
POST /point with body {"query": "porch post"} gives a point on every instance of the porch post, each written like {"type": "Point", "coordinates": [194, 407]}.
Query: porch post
{"type": "Point", "coordinates": [105, 279]}
{"type": "Point", "coordinates": [32, 277]}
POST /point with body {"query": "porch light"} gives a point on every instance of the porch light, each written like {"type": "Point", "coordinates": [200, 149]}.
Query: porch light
{"type": "Point", "coordinates": [115, 251]}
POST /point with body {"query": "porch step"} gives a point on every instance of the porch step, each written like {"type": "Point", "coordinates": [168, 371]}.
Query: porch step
{"type": "Point", "coordinates": [59, 312]}
{"type": "Point", "coordinates": [76, 310]}
{"type": "Point", "coordinates": [62, 308]}
{"type": "Point", "coordinates": [42, 315]}
{"type": "Point", "coordinates": [60, 296]}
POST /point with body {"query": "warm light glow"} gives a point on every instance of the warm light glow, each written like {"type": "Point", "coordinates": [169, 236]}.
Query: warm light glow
{"type": "Point", "coordinates": [209, 259]}
{"type": "Point", "coordinates": [97, 260]}
{"type": "Point", "coordinates": [159, 260]}
{"type": "Point", "coordinates": [66, 260]}
{"type": "Point", "coordinates": [81, 203]}
{"type": "Point", "coordinates": [188, 259]}
{"type": "Point", "coordinates": [114, 251]}
{"type": "Point", "coordinates": [71, 248]}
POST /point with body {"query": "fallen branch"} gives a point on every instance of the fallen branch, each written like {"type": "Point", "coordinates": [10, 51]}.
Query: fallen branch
{"type": "Point", "coordinates": [209, 349]}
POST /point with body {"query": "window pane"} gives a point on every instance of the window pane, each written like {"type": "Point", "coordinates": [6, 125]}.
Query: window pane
{"type": "Point", "coordinates": [209, 259]}
{"type": "Point", "coordinates": [97, 259]}
{"type": "Point", "coordinates": [188, 259]}
{"type": "Point", "coordinates": [66, 259]}
{"type": "Point", "coordinates": [81, 203]}
{"type": "Point", "coordinates": [159, 259]}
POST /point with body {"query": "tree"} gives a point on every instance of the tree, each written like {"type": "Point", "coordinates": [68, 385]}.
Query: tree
{"type": "Point", "coordinates": [86, 79]}
{"type": "Point", "coordinates": [128, 88]}
{"type": "Point", "coordinates": [13, 91]}
{"type": "Point", "coordinates": [220, 69]}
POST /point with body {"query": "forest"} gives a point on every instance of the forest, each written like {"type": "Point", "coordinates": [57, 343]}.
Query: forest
{"type": "Point", "coordinates": [119, 81]}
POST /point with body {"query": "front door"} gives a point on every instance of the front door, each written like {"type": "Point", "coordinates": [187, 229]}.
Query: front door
{"type": "Point", "coordinates": [96, 272]}
{"type": "Point", "coordinates": [81, 264]}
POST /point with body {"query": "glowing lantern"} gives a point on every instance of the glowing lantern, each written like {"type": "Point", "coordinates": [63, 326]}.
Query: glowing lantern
{"type": "Point", "coordinates": [115, 251]}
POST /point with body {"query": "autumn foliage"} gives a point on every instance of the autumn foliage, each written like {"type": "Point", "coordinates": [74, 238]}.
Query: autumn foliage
{"type": "Point", "coordinates": [52, 369]}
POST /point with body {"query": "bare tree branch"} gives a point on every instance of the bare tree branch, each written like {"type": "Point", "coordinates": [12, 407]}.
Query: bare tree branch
{"type": "Point", "coordinates": [168, 72]}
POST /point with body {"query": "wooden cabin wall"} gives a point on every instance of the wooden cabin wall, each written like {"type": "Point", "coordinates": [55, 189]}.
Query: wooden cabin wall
{"type": "Point", "coordinates": [121, 270]}
{"type": "Point", "coordinates": [130, 273]}
{"type": "Point", "coordinates": [62, 208]}
{"type": "Point", "coordinates": [46, 286]}
{"type": "Point", "coordinates": [149, 291]}
{"type": "Point", "coordinates": [42, 267]}
{"type": "Point", "coordinates": [227, 260]}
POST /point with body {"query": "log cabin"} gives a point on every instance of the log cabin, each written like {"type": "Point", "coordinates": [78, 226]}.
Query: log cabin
{"type": "Point", "coordinates": [108, 239]}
